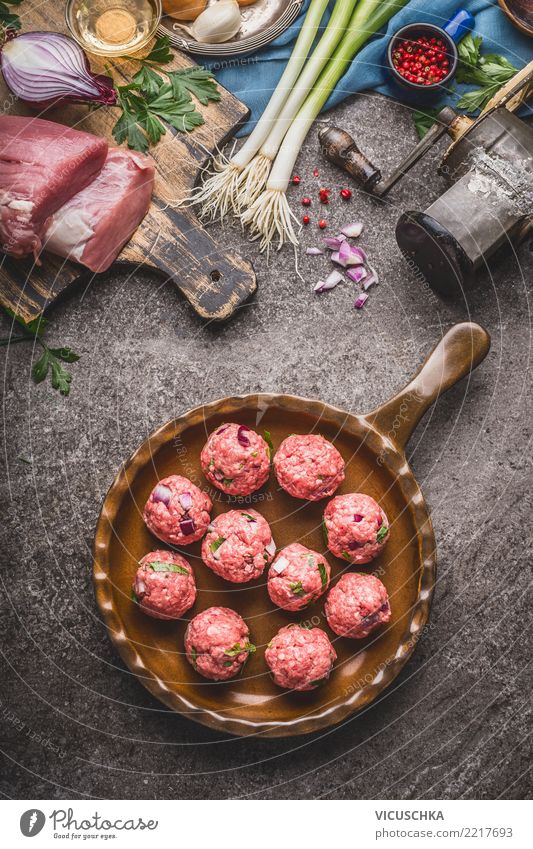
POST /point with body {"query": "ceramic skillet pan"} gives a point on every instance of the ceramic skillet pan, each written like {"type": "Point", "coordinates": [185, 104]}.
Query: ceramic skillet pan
{"type": "Point", "coordinates": [373, 447]}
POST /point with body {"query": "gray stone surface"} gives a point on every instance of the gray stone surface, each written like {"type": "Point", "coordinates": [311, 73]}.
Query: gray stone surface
{"type": "Point", "coordinates": [75, 723]}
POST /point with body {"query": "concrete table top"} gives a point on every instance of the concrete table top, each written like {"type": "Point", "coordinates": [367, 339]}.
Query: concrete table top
{"type": "Point", "coordinates": [76, 723]}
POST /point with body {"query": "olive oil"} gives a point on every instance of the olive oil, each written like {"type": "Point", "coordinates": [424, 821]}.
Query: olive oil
{"type": "Point", "coordinates": [113, 27]}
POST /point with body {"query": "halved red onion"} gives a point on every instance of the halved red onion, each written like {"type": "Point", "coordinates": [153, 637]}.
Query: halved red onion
{"type": "Point", "coordinates": [352, 230]}
{"type": "Point", "coordinates": [185, 500]}
{"type": "Point", "coordinates": [361, 301]}
{"type": "Point", "coordinates": [358, 517]}
{"type": "Point", "coordinates": [357, 273]}
{"type": "Point", "coordinates": [371, 280]}
{"type": "Point", "coordinates": [43, 68]}
{"type": "Point", "coordinates": [162, 493]}
{"type": "Point", "coordinates": [243, 440]}
{"type": "Point", "coordinates": [187, 526]}
{"type": "Point", "coordinates": [314, 252]}
{"type": "Point", "coordinates": [271, 547]}
{"type": "Point", "coordinates": [334, 242]}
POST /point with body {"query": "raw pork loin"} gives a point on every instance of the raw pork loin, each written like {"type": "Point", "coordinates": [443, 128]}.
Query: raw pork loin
{"type": "Point", "coordinates": [94, 225]}
{"type": "Point", "coordinates": [42, 164]}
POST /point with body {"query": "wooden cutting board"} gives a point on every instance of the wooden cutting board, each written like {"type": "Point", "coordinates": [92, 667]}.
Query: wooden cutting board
{"type": "Point", "coordinates": [215, 279]}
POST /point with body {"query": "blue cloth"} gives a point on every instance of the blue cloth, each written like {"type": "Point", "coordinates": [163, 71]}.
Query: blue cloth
{"type": "Point", "coordinates": [252, 78]}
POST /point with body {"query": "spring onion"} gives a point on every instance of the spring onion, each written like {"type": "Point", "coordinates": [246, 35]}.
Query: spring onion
{"type": "Point", "coordinates": [218, 193]}
{"type": "Point", "coordinates": [255, 175]}
{"type": "Point", "coordinates": [270, 215]}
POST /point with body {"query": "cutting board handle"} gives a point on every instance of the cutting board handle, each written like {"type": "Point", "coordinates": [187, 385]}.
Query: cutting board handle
{"type": "Point", "coordinates": [459, 351]}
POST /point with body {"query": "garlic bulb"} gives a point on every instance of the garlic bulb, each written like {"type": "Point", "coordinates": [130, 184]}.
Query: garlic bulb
{"type": "Point", "coordinates": [217, 23]}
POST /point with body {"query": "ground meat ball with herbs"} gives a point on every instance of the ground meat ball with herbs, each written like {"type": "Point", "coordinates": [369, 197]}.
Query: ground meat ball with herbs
{"type": "Point", "coordinates": [217, 643]}
{"type": "Point", "coordinates": [356, 527]}
{"type": "Point", "coordinates": [164, 586]}
{"type": "Point", "coordinates": [177, 512]}
{"type": "Point", "coordinates": [300, 658]}
{"type": "Point", "coordinates": [308, 467]}
{"type": "Point", "coordinates": [297, 577]}
{"type": "Point", "coordinates": [238, 545]}
{"type": "Point", "coordinates": [236, 459]}
{"type": "Point", "coordinates": [357, 605]}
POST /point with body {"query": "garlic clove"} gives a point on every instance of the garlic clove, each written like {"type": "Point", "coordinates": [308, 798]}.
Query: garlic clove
{"type": "Point", "coordinates": [218, 23]}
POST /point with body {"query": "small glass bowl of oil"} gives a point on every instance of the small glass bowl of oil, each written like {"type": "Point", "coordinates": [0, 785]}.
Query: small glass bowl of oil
{"type": "Point", "coordinates": [113, 27]}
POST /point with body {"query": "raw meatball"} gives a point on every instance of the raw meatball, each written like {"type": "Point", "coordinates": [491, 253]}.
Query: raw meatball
{"type": "Point", "coordinates": [300, 658]}
{"type": "Point", "coordinates": [164, 585]}
{"type": "Point", "coordinates": [177, 512]}
{"type": "Point", "coordinates": [297, 577]}
{"type": "Point", "coordinates": [308, 467]}
{"type": "Point", "coordinates": [236, 459]}
{"type": "Point", "coordinates": [217, 643]}
{"type": "Point", "coordinates": [238, 545]}
{"type": "Point", "coordinates": [356, 527]}
{"type": "Point", "coordinates": [357, 605]}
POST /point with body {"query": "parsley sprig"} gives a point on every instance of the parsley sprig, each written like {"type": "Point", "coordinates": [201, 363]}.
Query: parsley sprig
{"type": "Point", "coordinates": [51, 360]}
{"type": "Point", "coordinates": [156, 95]}
{"type": "Point", "coordinates": [489, 73]}
{"type": "Point", "coordinates": [8, 20]}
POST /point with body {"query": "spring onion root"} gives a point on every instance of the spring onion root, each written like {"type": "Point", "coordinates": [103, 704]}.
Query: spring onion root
{"type": "Point", "coordinates": [368, 17]}
{"type": "Point", "coordinates": [268, 216]}
{"type": "Point", "coordinates": [228, 183]}
{"type": "Point", "coordinates": [252, 181]}
{"type": "Point", "coordinates": [216, 195]}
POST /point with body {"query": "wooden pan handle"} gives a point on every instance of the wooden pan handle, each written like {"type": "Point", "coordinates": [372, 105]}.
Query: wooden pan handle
{"type": "Point", "coordinates": [459, 351]}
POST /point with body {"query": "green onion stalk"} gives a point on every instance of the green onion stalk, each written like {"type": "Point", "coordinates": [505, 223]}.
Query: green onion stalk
{"type": "Point", "coordinates": [270, 216]}
{"type": "Point", "coordinates": [253, 178]}
{"type": "Point", "coordinates": [218, 193]}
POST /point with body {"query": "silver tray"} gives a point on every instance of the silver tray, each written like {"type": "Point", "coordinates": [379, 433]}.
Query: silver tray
{"type": "Point", "coordinates": [262, 22]}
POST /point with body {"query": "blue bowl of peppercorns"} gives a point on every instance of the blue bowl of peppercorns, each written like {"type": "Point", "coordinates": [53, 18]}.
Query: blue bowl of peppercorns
{"type": "Point", "coordinates": [422, 57]}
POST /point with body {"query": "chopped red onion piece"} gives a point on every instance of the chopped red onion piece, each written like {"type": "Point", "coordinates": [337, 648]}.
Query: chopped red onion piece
{"type": "Point", "coordinates": [358, 517]}
{"type": "Point", "coordinates": [162, 493]}
{"type": "Point", "coordinates": [334, 242]}
{"type": "Point", "coordinates": [187, 527]}
{"type": "Point", "coordinates": [314, 252]}
{"type": "Point", "coordinates": [139, 587]}
{"type": "Point", "coordinates": [271, 547]}
{"type": "Point", "coordinates": [351, 255]}
{"type": "Point", "coordinates": [330, 282]}
{"type": "Point", "coordinates": [353, 545]}
{"type": "Point", "coordinates": [211, 527]}
{"type": "Point", "coordinates": [185, 500]}
{"type": "Point", "coordinates": [243, 440]}
{"type": "Point", "coordinates": [352, 230]}
{"type": "Point", "coordinates": [222, 429]}
{"type": "Point", "coordinates": [357, 273]}
{"type": "Point", "coordinates": [336, 257]}
{"type": "Point", "coordinates": [361, 301]}
{"type": "Point", "coordinates": [280, 564]}
{"type": "Point", "coordinates": [371, 280]}
{"type": "Point", "coordinates": [380, 521]}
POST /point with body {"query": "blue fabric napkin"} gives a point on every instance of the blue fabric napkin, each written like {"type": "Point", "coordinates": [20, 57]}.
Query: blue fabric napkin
{"type": "Point", "coordinates": [252, 78]}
